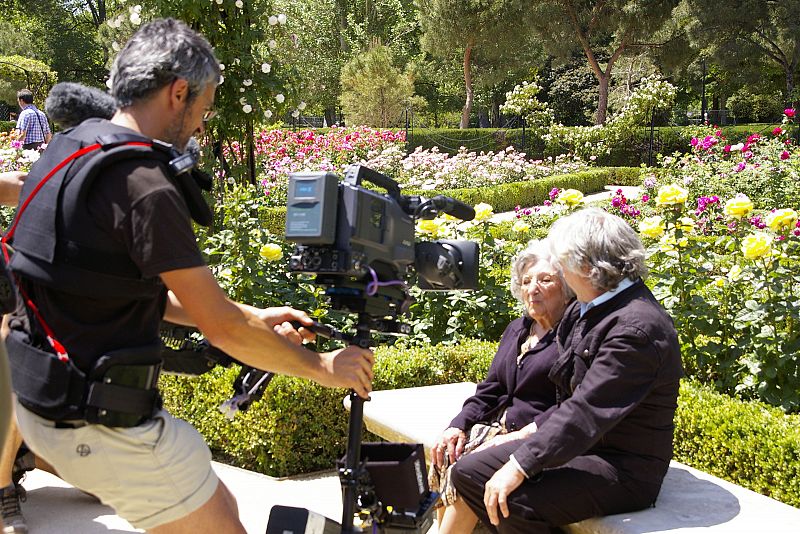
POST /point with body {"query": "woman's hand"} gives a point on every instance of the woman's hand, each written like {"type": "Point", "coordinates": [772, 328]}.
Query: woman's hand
{"type": "Point", "coordinates": [498, 488]}
{"type": "Point", "coordinates": [450, 443]}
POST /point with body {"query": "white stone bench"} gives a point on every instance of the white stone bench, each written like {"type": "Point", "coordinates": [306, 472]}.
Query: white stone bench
{"type": "Point", "coordinates": [691, 501]}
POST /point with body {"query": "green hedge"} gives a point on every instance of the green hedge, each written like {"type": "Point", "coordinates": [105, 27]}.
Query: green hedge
{"type": "Point", "coordinates": [505, 197]}
{"type": "Point", "coordinates": [7, 126]}
{"type": "Point", "coordinates": [301, 427]}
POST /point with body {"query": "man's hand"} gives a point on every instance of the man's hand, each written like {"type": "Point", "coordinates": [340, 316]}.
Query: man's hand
{"type": "Point", "coordinates": [280, 319]}
{"type": "Point", "coordinates": [10, 186]}
{"type": "Point", "coordinates": [498, 488]}
{"type": "Point", "coordinates": [450, 443]}
{"type": "Point", "coordinates": [350, 367]}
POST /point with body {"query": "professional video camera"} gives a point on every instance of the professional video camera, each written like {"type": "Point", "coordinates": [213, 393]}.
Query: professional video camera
{"type": "Point", "coordinates": [360, 244]}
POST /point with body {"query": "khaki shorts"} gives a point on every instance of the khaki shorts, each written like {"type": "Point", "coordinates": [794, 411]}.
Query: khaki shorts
{"type": "Point", "coordinates": [151, 474]}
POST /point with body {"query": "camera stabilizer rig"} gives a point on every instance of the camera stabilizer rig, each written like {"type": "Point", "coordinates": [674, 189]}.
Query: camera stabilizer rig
{"type": "Point", "coordinates": [360, 246]}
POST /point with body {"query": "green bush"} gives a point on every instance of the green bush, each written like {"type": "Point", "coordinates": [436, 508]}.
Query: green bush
{"type": "Point", "coordinates": [748, 443]}
{"type": "Point", "coordinates": [506, 197]}
{"type": "Point", "coordinates": [7, 126]}
{"type": "Point", "coordinates": [300, 426]}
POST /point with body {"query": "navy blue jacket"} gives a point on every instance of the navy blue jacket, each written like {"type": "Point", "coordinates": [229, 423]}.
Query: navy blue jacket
{"type": "Point", "coordinates": [617, 376]}
{"type": "Point", "coordinates": [524, 389]}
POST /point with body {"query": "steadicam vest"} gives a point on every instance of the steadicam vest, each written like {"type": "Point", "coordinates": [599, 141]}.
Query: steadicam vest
{"type": "Point", "coordinates": [57, 244]}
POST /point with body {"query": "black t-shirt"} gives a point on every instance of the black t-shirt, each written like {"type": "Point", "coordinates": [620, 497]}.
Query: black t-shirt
{"type": "Point", "coordinates": [137, 204]}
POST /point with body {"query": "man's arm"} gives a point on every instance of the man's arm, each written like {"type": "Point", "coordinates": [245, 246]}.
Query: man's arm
{"type": "Point", "coordinates": [249, 335]}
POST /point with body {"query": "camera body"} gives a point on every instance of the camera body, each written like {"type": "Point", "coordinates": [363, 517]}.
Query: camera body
{"type": "Point", "coordinates": [361, 242]}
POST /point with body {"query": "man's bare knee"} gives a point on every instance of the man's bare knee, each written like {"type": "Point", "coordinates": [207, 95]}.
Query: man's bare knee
{"type": "Point", "coordinates": [219, 515]}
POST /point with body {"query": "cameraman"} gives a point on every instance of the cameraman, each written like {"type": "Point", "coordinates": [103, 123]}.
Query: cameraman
{"type": "Point", "coordinates": [157, 473]}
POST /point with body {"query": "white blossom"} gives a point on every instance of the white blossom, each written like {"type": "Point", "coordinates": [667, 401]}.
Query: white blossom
{"type": "Point", "coordinates": [247, 108]}
{"type": "Point", "coordinates": [280, 98]}
{"type": "Point", "coordinates": [265, 68]}
{"type": "Point", "coordinates": [268, 113]}
{"type": "Point", "coordinates": [273, 20]}
{"type": "Point", "coordinates": [109, 83]}
{"type": "Point", "coordinates": [247, 83]}
{"type": "Point", "coordinates": [295, 113]}
{"type": "Point", "coordinates": [136, 19]}
{"type": "Point", "coordinates": [115, 46]}
{"type": "Point", "coordinates": [222, 66]}
{"type": "Point", "coordinates": [241, 89]}
{"type": "Point", "coordinates": [243, 100]}
{"type": "Point", "coordinates": [301, 106]}
{"type": "Point", "coordinates": [239, 4]}
{"type": "Point", "coordinates": [272, 44]}
{"type": "Point", "coordinates": [221, 78]}
{"type": "Point", "coordinates": [282, 19]}
{"type": "Point", "coordinates": [220, 2]}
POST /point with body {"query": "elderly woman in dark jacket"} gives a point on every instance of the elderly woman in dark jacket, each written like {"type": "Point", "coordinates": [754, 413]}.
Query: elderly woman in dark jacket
{"type": "Point", "coordinates": [516, 395]}
{"type": "Point", "coordinates": [606, 448]}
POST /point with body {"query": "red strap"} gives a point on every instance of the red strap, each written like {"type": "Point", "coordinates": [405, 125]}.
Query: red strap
{"type": "Point", "coordinates": [59, 349]}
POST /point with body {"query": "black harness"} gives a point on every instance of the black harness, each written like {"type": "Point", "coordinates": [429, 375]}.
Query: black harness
{"type": "Point", "coordinates": [57, 244]}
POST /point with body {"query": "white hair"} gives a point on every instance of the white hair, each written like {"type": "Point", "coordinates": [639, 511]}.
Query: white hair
{"type": "Point", "coordinates": [535, 251]}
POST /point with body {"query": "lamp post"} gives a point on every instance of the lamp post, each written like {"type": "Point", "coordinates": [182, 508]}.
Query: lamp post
{"type": "Point", "coordinates": [703, 109]}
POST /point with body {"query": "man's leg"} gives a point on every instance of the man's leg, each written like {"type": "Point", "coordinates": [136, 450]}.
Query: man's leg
{"type": "Point", "coordinates": [585, 487]}
{"type": "Point", "coordinates": [218, 515]}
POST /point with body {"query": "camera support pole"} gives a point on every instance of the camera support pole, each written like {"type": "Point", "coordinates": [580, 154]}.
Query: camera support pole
{"type": "Point", "coordinates": [351, 472]}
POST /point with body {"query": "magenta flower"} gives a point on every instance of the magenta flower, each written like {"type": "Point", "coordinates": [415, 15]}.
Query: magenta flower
{"type": "Point", "coordinates": [777, 131]}
{"type": "Point", "coordinates": [785, 154]}
{"type": "Point", "coordinates": [789, 112]}
{"type": "Point", "coordinates": [645, 198]}
{"type": "Point", "coordinates": [694, 141]}
{"type": "Point", "coordinates": [741, 166]}
{"type": "Point", "coordinates": [547, 203]}
{"type": "Point", "coordinates": [748, 154]}
{"type": "Point", "coordinates": [16, 144]}
{"type": "Point", "coordinates": [726, 149]}
{"type": "Point", "coordinates": [554, 193]}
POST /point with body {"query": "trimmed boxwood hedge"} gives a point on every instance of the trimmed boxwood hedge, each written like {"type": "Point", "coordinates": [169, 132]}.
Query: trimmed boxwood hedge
{"type": "Point", "coordinates": [505, 197]}
{"type": "Point", "coordinates": [300, 426]}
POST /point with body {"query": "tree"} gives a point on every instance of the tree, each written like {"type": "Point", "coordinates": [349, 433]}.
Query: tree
{"type": "Point", "coordinates": [17, 72]}
{"type": "Point", "coordinates": [736, 31]}
{"type": "Point", "coordinates": [602, 29]}
{"type": "Point", "coordinates": [374, 92]}
{"type": "Point", "coordinates": [482, 30]}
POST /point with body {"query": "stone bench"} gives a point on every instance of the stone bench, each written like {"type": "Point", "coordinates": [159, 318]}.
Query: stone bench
{"type": "Point", "coordinates": [691, 501]}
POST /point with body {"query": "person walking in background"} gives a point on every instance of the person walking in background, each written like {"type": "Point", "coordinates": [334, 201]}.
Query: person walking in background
{"type": "Point", "coordinates": [32, 127]}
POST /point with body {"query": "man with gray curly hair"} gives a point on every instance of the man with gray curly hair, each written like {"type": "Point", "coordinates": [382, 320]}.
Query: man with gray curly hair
{"type": "Point", "coordinates": [86, 358]}
{"type": "Point", "coordinates": [606, 448]}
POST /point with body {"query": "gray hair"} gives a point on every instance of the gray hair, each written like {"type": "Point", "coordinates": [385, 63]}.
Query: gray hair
{"type": "Point", "coordinates": [535, 251]}
{"type": "Point", "coordinates": [603, 243]}
{"type": "Point", "coordinates": [161, 52]}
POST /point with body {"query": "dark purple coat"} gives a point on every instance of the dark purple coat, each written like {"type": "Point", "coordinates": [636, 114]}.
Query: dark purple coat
{"type": "Point", "coordinates": [617, 376]}
{"type": "Point", "coordinates": [524, 389]}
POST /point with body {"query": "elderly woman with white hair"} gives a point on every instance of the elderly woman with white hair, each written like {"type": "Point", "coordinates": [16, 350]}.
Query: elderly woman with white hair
{"type": "Point", "coordinates": [606, 447]}
{"type": "Point", "coordinates": [516, 395]}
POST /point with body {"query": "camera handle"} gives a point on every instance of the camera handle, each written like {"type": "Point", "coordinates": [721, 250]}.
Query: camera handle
{"type": "Point", "coordinates": [354, 174]}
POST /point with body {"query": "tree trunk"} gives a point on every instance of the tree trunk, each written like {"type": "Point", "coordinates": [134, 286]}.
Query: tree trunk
{"type": "Point", "coordinates": [465, 113]}
{"type": "Point", "coordinates": [602, 101]}
{"type": "Point", "coordinates": [790, 86]}
{"type": "Point", "coordinates": [330, 116]}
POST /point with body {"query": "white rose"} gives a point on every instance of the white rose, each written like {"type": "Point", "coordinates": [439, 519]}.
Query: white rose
{"type": "Point", "coordinates": [247, 83]}
{"type": "Point", "coordinates": [282, 19]}
{"type": "Point", "coordinates": [222, 66]}
{"type": "Point", "coordinates": [221, 78]}
{"type": "Point", "coordinates": [280, 98]}
{"type": "Point", "coordinates": [301, 106]}
{"type": "Point", "coordinates": [272, 44]}
{"type": "Point", "coordinates": [247, 108]}
{"type": "Point", "coordinates": [273, 20]}
{"type": "Point", "coordinates": [295, 114]}
{"type": "Point", "coordinates": [243, 101]}
{"type": "Point", "coordinates": [268, 113]}
{"type": "Point", "coordinates": [239, 4]}
{"type": "Point", "coordinates": [265, 68]}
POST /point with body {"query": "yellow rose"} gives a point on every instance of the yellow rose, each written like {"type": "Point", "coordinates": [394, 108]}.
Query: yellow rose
{"type": "Point", "coordinates": [780, 219]}
{"type": "Point", "coordinates": [430, 226]}
{"type": "Point", "coordinates": [757, 245]}
{"type": "Point", "coordinates": [652, 226]}
{"type": "Point", "coordinates": [483, 212]}
{"type": "Point", "coordinates": [521, 226]}
{"type": "Point", "coordinates": [570, 197]}
{"type": "Point", "coordinates": [739, 206]}
{"type": "Point", "coordinates": [719, 282]}
{"type": "Point", "coordinates": [671, 195]}
{"type": "Point", "coordinates": [271, 252]}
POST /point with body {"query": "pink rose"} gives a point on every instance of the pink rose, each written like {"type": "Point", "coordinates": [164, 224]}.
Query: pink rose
{"type": "Point", "coordinates": [777, 131]}
{"type": "Point", "coordinates": [789, 112]}
{"type": "Point", "coordinates": [785, 155]}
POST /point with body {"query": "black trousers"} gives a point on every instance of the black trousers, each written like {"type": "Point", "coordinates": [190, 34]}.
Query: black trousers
{"type": "Point", "coordinates": [587, 486]}
{"type": "Point", "coordinates": [32, 146]}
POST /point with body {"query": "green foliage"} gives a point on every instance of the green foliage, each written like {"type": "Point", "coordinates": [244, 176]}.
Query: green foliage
{"type": "Point", "coordinates": [374, 92]}
{"type": "Point", "coordinates": [748, 106]}
{"type": "Point", "coordinates": [747, 443]}
{"type": "Point", "coordinates": [7, 126]}
{"type": "Point", "coordinates": [17, 72]}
